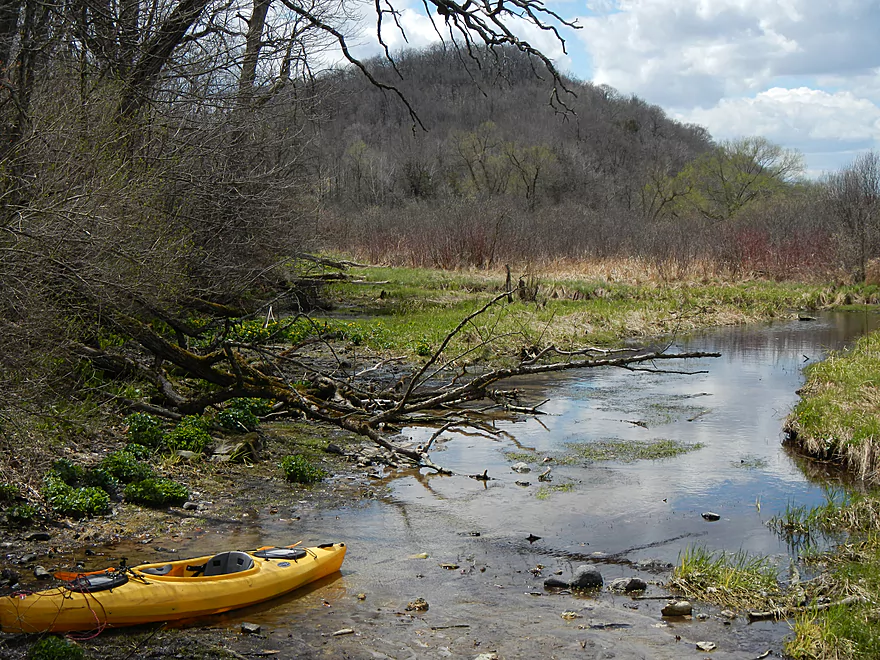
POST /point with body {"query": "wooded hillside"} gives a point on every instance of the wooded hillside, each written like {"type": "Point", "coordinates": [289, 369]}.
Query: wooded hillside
{"type": "Point", "coordinates": [493, 153]}
{"type": "Point", "coordinates": [498, 172]}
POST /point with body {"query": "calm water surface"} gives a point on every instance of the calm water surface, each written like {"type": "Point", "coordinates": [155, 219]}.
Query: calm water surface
{"type": "Point", "coordinates": [651, 508]}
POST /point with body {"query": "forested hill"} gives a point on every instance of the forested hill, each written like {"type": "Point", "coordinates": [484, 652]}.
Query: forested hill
{"type": "Point", "coordinates": [490, 130]}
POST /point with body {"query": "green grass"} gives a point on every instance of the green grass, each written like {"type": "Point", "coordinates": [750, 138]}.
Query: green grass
{"type": "Point", "coordinates": [733, 580]}
{"type": "Point", "coordinates": [851, 568]}
{"type": "Point", "coordinates": [845, 631]}
{"type": "Point", "coordinates": [836, 418]}
{"type": "Point", "coordinates": [418, 307]}
{"type": "Point", "coordinates": [629, 450]}
{"type": "Point", "coordinates": [301, 470]}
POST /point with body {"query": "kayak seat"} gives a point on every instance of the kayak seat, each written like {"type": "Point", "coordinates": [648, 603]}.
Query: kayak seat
{"type": "Point", "coordinates": [228, 562]}
{"type": "Point", "coordinates": [158, 570]}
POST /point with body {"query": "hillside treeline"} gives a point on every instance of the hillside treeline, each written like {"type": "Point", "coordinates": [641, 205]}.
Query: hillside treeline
{"type": "Point", "coordinates": [501, 174]}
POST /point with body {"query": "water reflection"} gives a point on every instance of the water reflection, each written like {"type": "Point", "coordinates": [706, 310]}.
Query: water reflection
{"type": "Point", "coordinates": [735, 411]}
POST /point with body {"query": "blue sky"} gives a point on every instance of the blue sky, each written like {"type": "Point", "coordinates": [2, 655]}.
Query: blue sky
{"type": "Point", "coordinates": [803, 73]}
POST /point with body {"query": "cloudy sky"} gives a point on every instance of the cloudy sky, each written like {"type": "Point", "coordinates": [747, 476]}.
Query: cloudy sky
{"type": "Point", "coordinates": [803, 73]}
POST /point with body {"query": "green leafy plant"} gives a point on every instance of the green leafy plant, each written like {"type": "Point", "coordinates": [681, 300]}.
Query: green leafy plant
{"type": "Point", "coordinates": [125, 467]}
{"type": "Point", "coordinates": [100, 477]}
{"type": "Point", "coordinates": [243, 414]}
{"type": "Point", "coordinates": [74, 502]}
{"type": "Point", "coordinates": [68, 472]}
{"type": "Point", "coordinates": [190, 434]}
{"type": "Point", "coordinates": [145, 429]}
{"type": "Point", "coordinates": [8, 492]}
{"type": "Point", "coordinates": [423, 347]}
{"type": "Point", "coordinates": [55, 648]}
{"type": "Point", "coordinates": [236, 419]}
{"type": "Point", "coordinates": [157, 492]}
{"type": "Point", "coordinates": [299, 469]}
{"type": "Point", "coordinates": [140, 452]}
{"type": "Point", "coordinates": [21, 515]}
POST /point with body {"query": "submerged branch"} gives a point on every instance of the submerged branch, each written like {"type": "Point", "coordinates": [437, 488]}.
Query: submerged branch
{"type": "Point", "coordinates": [358, 401]}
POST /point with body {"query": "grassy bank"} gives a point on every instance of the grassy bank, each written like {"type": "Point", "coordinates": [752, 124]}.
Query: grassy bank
{"type": "Point", "coordinates": [409, 311]}
{"type": "Point", "coordinates": [838, 416]}
{"type": "Point", "coordinates": [850, 570]}
{"type": "Point", "coordinates": [838, 420]}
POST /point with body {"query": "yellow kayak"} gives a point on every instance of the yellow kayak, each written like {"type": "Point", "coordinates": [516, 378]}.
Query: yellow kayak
{"type": "Point", "coordinates": [169, 591]}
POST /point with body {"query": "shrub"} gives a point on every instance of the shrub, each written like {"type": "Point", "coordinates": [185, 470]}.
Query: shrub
{"type": "Point", "coordinates": [125, 467]}
{"type": "Point", "coordinates": [100, 477]}
{"type": "Point", "coordinates": [55, 648]}
{"type": "Point", "coordinates": [75, 502]}
{"type": "Point", "coordinates": [138, 451]}
{"type": "Point", "coordinates": [243, 414]}
{"type": "Point", "coordinates": [300, 470]}
{"type": "Point", "coordinates": [68, 472]}
{"type": "Point", "coordinates": [190, 434]}
{"type": "Point", "coordinates": [145, 429]}
{"type": "Point", "coordinates": [157, 492]}
{"type": "Point", "coordinates": [21, 515]}
{"type": "Point", "coordinates": [8, 492]}
{"type": "Point", "coordinates": [237, 420]}
{"type": "Point", "coordinates": [259, 407]}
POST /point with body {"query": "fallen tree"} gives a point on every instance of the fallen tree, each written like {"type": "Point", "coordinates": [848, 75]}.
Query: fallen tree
{"type": "Point", "coordinates": [319, 385]}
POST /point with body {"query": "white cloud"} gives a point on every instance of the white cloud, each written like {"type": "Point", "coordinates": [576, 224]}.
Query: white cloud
{"type": "Point", "coordinates": [794, 114]}
{"type": "Point", "coordinates": [804, 73]}
{"type": "Point", "coordinates": [665, 49]}
{"type": "Point", "coordinates": [817, 122]}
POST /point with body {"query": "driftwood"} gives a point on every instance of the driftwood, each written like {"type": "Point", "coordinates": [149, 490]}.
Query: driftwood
{"type": "Point", "coordinates": [786, 612]}
{"type": "Point", "coordinates": [326, 390]}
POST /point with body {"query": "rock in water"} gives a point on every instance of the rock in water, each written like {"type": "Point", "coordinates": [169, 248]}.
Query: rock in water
{"type": "Point", "coordinates": [418, 605]}
{"type": "Point", "coordinates": [586, 577]}
{"type": "Point", "coordinates": [250, 628]}
{"type": "Point", "coordinates": [41, 573]}
{"type": "Point", "coordinates": [711, 516]}
{"type": "Point", "coordinates": [555, 583]}
{"type": "Point", "coordinates": [678, 608]}
{"type": "Point", "coordinates": [627, 585]}
{"type": "Point", "coordinates": [522, 468]}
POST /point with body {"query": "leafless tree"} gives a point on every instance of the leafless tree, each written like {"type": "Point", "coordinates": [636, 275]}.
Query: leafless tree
{"type": "Point", "coordinates": [853, 195]}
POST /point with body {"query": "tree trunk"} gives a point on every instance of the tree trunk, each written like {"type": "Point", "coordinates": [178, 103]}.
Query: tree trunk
{"type": "Point", "coordinates": [156, 53]}
{"type": "Point", "coordinates": [253, 43]}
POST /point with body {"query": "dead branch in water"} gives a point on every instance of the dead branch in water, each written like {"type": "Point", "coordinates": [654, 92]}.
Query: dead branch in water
{"type": "Point", "coordinates": [328, 390]}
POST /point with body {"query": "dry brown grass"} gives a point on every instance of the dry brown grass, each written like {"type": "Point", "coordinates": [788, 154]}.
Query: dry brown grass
{"type": "Point", "coordinates": [635, 270]}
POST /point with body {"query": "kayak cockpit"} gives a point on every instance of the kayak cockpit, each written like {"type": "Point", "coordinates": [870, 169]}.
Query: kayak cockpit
{"type": "Point", "coordinates": [228, 562]}
{"type": "Point", "coordinates": [225, 563]}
